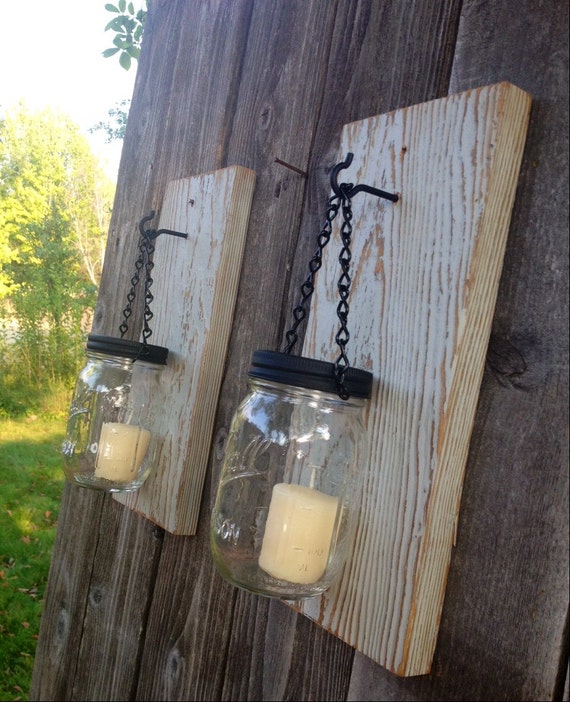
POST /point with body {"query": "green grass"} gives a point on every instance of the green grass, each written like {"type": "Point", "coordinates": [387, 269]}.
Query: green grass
{"type": "Point", "coordinates": [31, 485]}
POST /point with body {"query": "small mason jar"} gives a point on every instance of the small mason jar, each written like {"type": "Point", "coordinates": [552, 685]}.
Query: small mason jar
{"type": "Point", "coordinates": [286, 505]}
{"type": "Point", "coordinates": [110, 443]}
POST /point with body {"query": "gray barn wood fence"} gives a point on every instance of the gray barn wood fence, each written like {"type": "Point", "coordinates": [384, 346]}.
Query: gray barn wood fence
{"type": "Point", "coordinates": [135, 613]}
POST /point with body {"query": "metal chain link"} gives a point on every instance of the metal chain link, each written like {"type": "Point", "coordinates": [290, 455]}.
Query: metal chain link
{"type": "Point", "coordinates": [148, 296]}
{"type": "Point", "coordinates": [146, 250]}
{"type": "Point", "coordinates": [307, 288]}
{"type": "Point", "coordinates": [140, 262]}
{"type": "Point", "coordinates": [345, 256]}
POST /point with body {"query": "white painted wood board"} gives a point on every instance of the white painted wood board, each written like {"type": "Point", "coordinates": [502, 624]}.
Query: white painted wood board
{"type": "Point", "coordinates": [425, 275]}
{"type": "Point", "coordinates": [195, 288]}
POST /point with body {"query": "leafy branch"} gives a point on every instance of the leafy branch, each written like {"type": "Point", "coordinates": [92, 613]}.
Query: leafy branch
{"type": "Point", "coordinates": [128, 27]}
{"type": "Point", "coordinates": [116, 125]}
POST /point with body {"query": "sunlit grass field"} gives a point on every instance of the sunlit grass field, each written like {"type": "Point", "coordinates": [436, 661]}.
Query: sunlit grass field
{"type": "Point", "coordinates": [31, 485]}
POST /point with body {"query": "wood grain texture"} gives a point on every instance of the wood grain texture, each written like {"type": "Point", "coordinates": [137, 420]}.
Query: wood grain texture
{"type": "Point", "coordinates": [195, 288]}
{"type": "Point", "coordinates": [56, 660]}
{"type": "Point", "coordinates": [503, 631]}
{"type": "Point", "coordinates": [116, 555]}
{"type": "Point", "coordinates": [425, 275]}
{"type": "Point", "coordinates": [221, 82]}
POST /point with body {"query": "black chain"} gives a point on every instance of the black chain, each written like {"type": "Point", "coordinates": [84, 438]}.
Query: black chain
{"type": "Point", "coordinates": [141, 260]}
{"type": "Point", "coordinates": [307, 288]}
{"type": "Point", "coordinates": [146, 250]}
{"type": "Point", "coordinates": [148, 296]}
{"type": "Point", "coordinates": [343, 336]}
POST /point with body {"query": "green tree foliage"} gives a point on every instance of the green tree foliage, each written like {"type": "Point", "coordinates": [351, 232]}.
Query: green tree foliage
{"type": "Point", "coordinates": [55, 204]}
{"type": "Point", "coordinates": [117, 122]}
{"type": "Point", "coordinates": [128, 26]}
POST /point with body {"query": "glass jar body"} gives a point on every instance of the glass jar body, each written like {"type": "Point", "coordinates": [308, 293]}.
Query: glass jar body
{"type": "Point", "coordinates": [285, 511]}
{"type": "Point", "coordinates": [109, 443]}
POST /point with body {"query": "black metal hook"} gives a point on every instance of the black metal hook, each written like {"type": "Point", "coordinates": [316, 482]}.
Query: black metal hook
{"type": "Point", "coordinates": [146, 250]}
{"type": "Point", "coordinates": [348, 190]}
{"type": "Point", "coordinates": [334, 175]}
{"type": "Point", "coordinates": [151, 234]}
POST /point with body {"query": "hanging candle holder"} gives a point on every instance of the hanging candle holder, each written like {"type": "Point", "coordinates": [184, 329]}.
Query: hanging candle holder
{"type": "Point", "coordinates": [110, 442]}
{"type": "Point", "coordinates": [284, 515]}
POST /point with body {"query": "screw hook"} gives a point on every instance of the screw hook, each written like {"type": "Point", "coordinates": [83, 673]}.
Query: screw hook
{"type": "Point", "coordinates": [334, 175]}
{"type": "Point", "coordinates": [347, 190]}
{"type": "Point", "coordinates": [151, 234]}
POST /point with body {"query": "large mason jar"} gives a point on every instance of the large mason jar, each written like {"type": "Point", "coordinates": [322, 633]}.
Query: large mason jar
{"type": "Point", "coordinates": [287, 500]}
{"type": "Point", "coordinates": [110, 442]}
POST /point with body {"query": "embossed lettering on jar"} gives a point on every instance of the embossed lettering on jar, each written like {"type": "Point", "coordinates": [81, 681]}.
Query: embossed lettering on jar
{"type": "Point", "coordinates": [286, 506]}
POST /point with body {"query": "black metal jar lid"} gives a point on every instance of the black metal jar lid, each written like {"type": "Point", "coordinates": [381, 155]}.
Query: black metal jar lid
{"type": "Point", "coordinates": [135, 350]}
{"type": "Point", "coordinates": [308, 373]}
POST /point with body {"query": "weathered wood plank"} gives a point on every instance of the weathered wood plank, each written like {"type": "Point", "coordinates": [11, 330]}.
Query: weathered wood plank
{"type": "Point", "coordinates": [125, 561]}
{"type": "Point", "coordinates": [195, 287]}
{"type": "Point", "coordinates": [502, 634]}
{"type": "Point", "coordinates": [425, 276]}
{"type": "Point", "coordinates": [85, 627]}
{"type": "Point", "coordinates": [57, 653]}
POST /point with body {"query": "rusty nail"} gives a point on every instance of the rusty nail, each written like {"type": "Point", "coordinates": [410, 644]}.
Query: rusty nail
{"type": "Point", "coordinates": [292, 168]}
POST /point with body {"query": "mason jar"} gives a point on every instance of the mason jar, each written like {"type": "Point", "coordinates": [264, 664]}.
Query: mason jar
{"type": "Point", "coordinates": [287, 500]}
{"type": "Point", "coordinates": [110, 442]}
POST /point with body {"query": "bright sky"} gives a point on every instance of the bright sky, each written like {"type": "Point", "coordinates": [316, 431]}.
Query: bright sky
{"type": "Point", "coordinates": [50, 55]}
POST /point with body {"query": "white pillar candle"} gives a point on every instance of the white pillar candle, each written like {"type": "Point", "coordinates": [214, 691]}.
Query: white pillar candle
{"type": "Point", "coordinates": [122, 448]}
{"type": "Point", "coordinates": [298, 533]}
